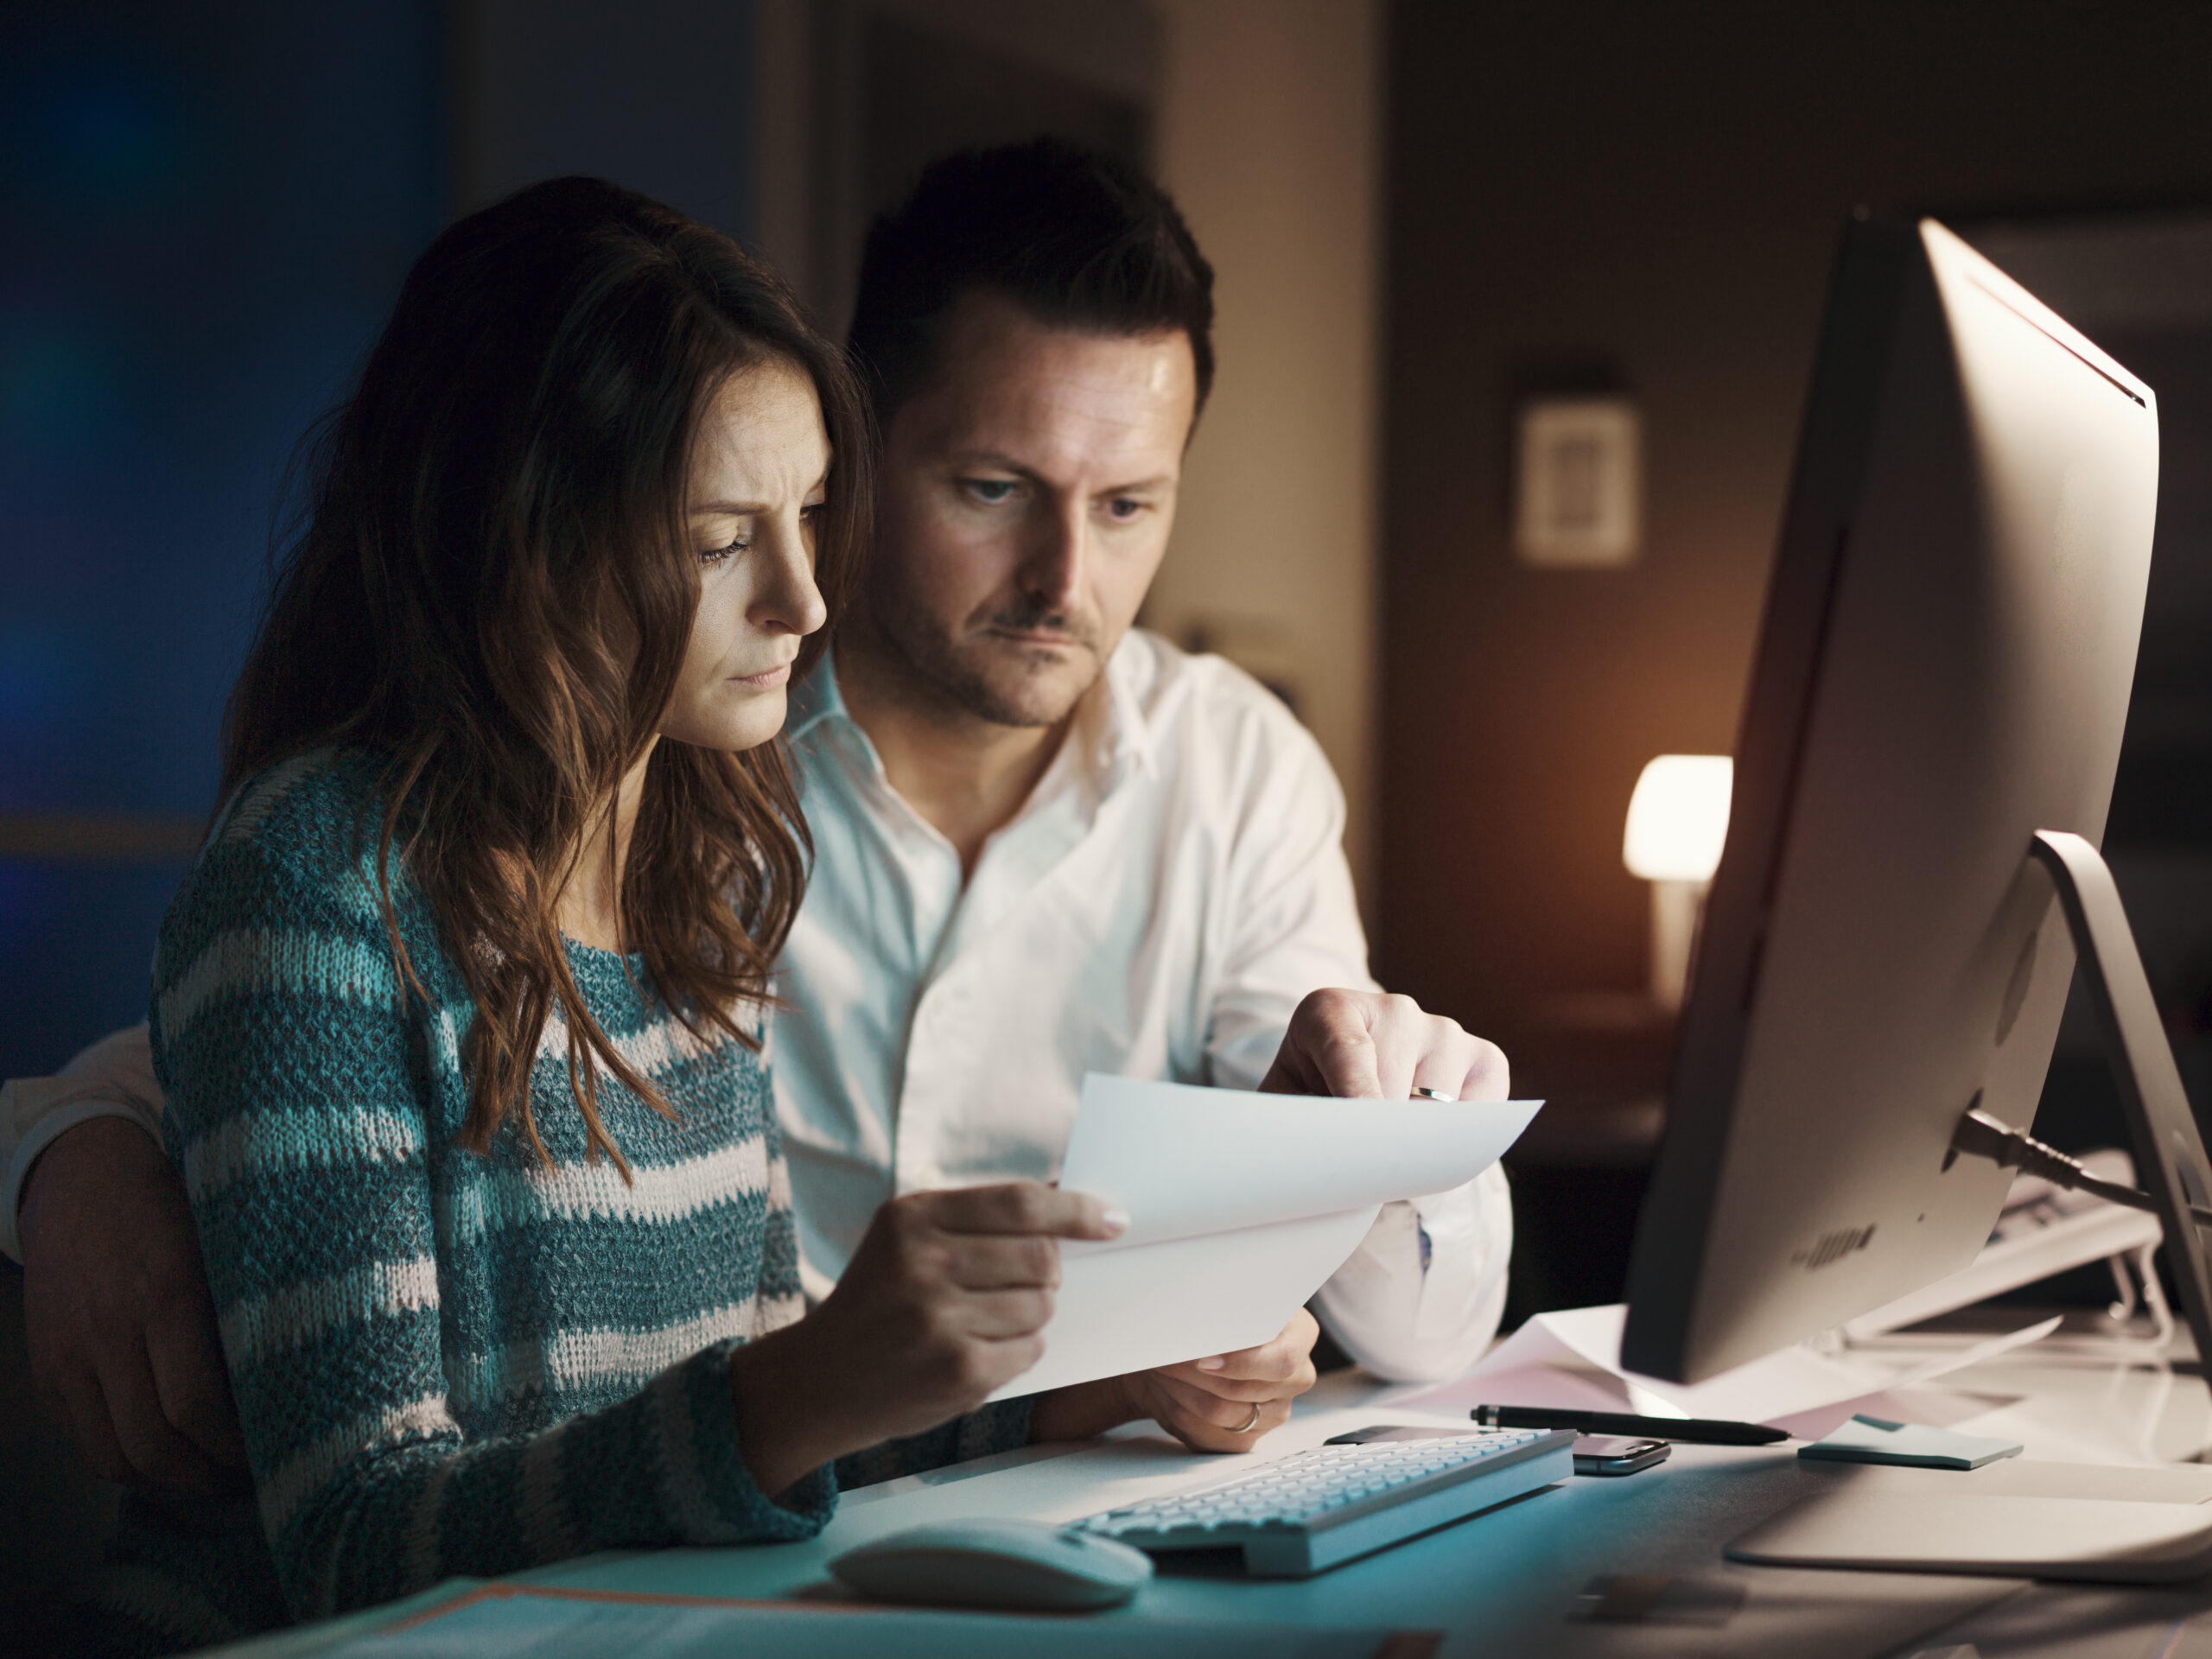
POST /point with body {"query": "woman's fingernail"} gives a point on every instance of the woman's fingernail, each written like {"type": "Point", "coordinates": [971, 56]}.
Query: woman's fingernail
{"type": "Point", "coordinates": [1213, 1364]}
{"type": "Point", "coordinates": [1116, 1221]}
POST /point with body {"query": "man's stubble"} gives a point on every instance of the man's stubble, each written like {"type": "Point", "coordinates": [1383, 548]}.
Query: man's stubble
{"type": "Point", "coordinates": [941, 674]}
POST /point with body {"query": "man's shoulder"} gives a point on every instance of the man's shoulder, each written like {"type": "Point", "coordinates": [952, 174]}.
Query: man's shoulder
{"type": "Point", "coordinates": [1200, 705]}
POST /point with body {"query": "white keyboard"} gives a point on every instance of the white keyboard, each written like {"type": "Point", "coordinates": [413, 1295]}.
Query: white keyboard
{"type": "Point", "coordinates": [1314, 1509]}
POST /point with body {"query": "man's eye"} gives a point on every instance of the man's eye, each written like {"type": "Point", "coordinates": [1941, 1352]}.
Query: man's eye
{"type": "Point", "coordinates": [990, 491]}
{"type": "Point", "coordinates": [1123, 508]}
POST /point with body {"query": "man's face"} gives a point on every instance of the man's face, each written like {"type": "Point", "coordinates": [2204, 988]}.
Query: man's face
{"type": "Point", "coordinates": [1024, 504]}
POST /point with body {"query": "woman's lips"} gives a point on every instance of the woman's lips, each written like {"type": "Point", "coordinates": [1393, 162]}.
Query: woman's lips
{"type": "Point", "coordinates": [767, 681]}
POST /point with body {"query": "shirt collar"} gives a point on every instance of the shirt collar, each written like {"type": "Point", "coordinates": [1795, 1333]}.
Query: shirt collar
{"type": "Point", "coordinates": [1126, 737]}
{"type": "Point", "coordinates": [814, 699]}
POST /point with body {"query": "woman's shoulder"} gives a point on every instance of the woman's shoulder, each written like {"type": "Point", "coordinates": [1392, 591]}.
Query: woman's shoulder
{"type": "Point", "coordinates": [281, 922]}
{"type": "Point", "coordinates": [313, 809]}
{"type": "Point", "coordinates": [295, 846]}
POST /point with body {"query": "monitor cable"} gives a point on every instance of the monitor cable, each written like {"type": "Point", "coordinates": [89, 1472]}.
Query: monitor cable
{"type": "Point", "coordinates": [1981, 1135]}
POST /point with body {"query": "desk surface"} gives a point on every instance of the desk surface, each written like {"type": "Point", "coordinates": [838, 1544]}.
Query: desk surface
{"type": "Point", "coordinates": [1501, 1583]}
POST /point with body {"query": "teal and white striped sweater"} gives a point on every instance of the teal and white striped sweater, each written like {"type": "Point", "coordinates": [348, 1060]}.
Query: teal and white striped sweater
{"type": "Point", "coordinates": [447, 1363]}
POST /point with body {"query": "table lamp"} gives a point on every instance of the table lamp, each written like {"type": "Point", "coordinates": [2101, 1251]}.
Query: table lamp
{"type": "Point", "coordinates": [1677, 820]}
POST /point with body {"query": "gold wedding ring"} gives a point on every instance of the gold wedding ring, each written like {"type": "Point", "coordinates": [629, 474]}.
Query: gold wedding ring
{"type": "Point", "coordinates": [1433, 1094]}
{"type": "Point", "coordinates": [1250, 1423]}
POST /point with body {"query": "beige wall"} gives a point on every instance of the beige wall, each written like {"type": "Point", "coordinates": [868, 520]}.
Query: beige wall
{"type": "Point", "coordinates": [1268, 133]}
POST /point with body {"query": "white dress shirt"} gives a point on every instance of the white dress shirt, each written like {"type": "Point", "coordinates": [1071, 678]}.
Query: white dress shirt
{"type": "Point", "coordinates": [1172, 887]}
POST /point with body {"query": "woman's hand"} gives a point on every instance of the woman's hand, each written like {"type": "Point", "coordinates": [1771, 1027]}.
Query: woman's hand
{"type": "Point", "coordinates": [1208, 1404]}
{"type": "Point", "coordinates": [946, 1298]}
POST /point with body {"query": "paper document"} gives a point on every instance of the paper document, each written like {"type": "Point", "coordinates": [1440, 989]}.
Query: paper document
{"type": "Point", "coordinates": [554, 1624]}
{"type": "Point", "coordinates": [1241, 1206]}
{"type": "Point", "coordinates": [1572, 1357]}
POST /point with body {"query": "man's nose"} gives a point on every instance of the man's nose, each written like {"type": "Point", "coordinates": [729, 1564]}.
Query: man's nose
{"type": "Point", "coordinates": [1053, 573]}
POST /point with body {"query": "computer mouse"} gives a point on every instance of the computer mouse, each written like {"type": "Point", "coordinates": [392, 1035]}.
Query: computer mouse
{"type": "Point", "coordinates": [1005, 1564]}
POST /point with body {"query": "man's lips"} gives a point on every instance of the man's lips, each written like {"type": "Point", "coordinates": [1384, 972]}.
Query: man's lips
{"type": "Point", "coordinates": [1036, 637]}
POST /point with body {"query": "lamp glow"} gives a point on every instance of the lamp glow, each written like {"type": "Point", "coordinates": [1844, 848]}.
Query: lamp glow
{"type": "Point", "coordinates": [1678, 818]}
{"type": "Point", "coordinates": [1677, 824]}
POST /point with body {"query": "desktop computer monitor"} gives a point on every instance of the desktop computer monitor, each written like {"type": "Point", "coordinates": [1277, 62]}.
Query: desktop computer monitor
{"type": "Point", "coordinates": [1943, 671]}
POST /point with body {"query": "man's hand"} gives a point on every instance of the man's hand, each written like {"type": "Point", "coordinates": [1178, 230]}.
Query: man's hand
{"type": "Point", "coordinates": [122, 1332]}
{"type": "Point", "coordinates": [1221, 1404]}
{"type": "Point", "coordinates": [1368, 1044]}
{"type": "Point", "coordinates": [946, 1298]}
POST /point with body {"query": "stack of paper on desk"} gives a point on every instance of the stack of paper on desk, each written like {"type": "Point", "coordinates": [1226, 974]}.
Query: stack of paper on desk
{"type": "Point", "coordinates": [549, 1622]}
{"type": "Point", "coordinates": [1241, 1206]}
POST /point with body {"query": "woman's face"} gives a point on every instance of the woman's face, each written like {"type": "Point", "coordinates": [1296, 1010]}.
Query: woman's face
{"type": "Point", "coordinates": [757, 471]}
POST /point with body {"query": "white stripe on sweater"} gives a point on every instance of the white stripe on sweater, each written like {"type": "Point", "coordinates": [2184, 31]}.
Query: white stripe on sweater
{"type": "Point", "coordinates": [310, 1471]}
{"type": "Point", "coordinates": [659, 1194]}
{"type": "Point", "coordinates": [582, 1357]}
{"type": "Point", "coordinates": [265, 1143]}
{"type": "Point", "coordinates": [282, 963]}
{"type": "Point", "coordinates": [266, 792]}
{"type": "Point", "coordinates": [774, 1312]}
{"type": "Point", "coordinates": [661, 1046]}
{"type": "Point", "coordinates": [257, 1331]}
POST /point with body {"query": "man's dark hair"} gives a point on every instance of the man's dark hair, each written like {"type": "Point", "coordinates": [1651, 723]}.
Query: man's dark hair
{"type": "Point", "coordinates": [1075, 239]}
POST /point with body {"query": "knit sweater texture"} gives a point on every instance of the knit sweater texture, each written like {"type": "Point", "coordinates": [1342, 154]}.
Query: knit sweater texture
{"type": "Point", "coordinates": [447, 1363]}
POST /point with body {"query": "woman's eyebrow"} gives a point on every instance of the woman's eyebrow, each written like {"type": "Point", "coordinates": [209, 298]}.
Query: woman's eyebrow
{"type": "Point", "coordinates": [732, 509]}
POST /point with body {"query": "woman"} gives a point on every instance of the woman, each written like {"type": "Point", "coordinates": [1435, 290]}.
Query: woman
{"type": "Point", "coordinates": [457, 1012]}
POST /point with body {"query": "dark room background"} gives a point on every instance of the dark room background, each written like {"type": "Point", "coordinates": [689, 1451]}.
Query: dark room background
{"type": "Point", "coordinates": [1420, 211]}
{"type": "Point", "coordinates": [208, 209]}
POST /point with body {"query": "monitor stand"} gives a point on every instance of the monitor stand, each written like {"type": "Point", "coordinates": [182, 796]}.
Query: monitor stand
{"type": "Point", "coordinates": [2169, 1161]}
{"type": "Point", "coordinates": [2022, 1519]}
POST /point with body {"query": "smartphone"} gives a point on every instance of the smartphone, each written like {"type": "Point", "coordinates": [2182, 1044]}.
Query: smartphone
{"type": "Point", "coordinates": [1594, 1454]}
{"type": "Point", "coordinates": [1612, 1454]}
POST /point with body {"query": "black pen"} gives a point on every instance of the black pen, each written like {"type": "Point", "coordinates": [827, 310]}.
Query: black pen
{"type": "Point", "coordinates": [1695, 1431]}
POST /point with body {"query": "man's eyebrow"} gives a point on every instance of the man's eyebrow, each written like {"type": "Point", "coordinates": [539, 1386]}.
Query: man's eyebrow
{"type": "Point", "coordinates": [991, 458]}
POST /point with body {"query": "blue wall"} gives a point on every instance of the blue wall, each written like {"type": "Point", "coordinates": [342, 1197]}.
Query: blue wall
{"type": "Point", "coordinates": [205, 218]}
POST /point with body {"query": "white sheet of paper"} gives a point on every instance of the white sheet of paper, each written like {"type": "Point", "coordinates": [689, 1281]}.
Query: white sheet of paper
{"type": "Point", "coordinates": [1241, 1206]}
{"type": "Point", "coordinates": [552, 1625]}
{"type": "Point", "coordinates": [1572, 1357]}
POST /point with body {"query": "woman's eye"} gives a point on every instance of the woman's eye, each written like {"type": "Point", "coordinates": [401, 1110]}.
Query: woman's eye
{"type": "Point", "coordinates": [990, 491]}
{"type": "Point", "coordinates": [713, 555]}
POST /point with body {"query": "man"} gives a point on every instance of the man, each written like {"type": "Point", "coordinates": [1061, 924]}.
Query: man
{"type": "Point", "coordinates": [1045, 843]}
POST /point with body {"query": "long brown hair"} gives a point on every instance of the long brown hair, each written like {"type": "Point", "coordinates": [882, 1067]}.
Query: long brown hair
{"type": "Point", "coordinates": [494, 589]}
